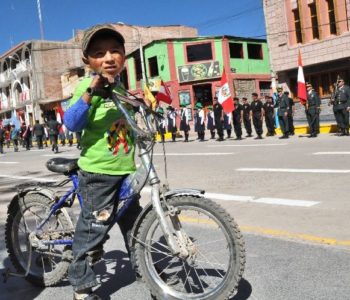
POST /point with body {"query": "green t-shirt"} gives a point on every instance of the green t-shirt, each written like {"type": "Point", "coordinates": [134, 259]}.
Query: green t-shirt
{"type": "Point", "coordinates": [105, 151]}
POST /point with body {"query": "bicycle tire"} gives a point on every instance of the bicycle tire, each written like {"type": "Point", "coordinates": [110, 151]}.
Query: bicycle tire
{"type": "Point", "coordinates": [155, 276]}
{"type": "Point", "coordinates": [36, 203]}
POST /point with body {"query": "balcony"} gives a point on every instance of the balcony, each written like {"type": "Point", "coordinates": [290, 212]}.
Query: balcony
{"type": "Point", "coordinates": [22, 69]}
{"type": "Point", "coordinates": [5, 78]}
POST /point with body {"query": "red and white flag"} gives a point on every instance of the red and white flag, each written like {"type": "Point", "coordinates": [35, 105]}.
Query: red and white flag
{"type": "Point", "coordinates": [224, 96]}
{"type": "Point", "coordinates": [301, 82]}
{"type": "Point", "coordinates": [163, 93]}
{"type": "Point", "coordinates": [60, 117]}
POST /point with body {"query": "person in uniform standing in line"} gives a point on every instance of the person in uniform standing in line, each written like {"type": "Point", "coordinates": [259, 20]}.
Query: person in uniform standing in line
{"type": "Point", "coordinates": [228, 124]}
{"type": "Point", "coordinates": [211, 122]}
{"type": "Point", "coordinates": [161, 124]}
{"type": "Point", "coordinates": [237, 118]}
{"type": "Point", "coordinates": [200, 121]}
{"type": "Point", "coordinates": [171, 115]}
{"type": "Point", "coordinates": [258, 115]}
{"type": "Point", "coordinates": [247, 117]}
{"type": "Point", "coordinates": [269, 111]}
{"type": "Point", "coordinates": [54, 128]}
{"type": "Point", "coordinates": [341, 106]}
{"type": "Point", "coordinates": [219, 118]}
{"type": "Point", "coordinates": [283, 107]}
{"type": "Point", "coordinates": [185, 121]}
{"type": "Point", "coordinates": [291, 112]}
{"type": "Point", "coordinates": [312, 110]}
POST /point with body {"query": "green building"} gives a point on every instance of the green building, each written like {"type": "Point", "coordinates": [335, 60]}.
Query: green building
{"type": "Point", "coordinates": [192, 67]}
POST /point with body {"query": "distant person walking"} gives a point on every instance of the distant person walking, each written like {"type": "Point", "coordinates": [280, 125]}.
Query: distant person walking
{"type": "Point", "coordinates": [54, 128]}
{"type": "Point", "coordinates": [39, 132]}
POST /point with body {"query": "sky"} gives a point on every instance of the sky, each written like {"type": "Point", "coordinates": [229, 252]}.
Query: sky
{"type": "Point", "coordinates": [20, 22]}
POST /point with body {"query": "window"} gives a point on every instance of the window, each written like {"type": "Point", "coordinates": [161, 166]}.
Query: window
{"type": "Point", "coordinates": [255, 51]}
{"type": "Point", "coordinates": [199, 52]}
{"type": "Point", "coordinates": [297, 26]}
{"type": "Point", "coordinates": [331, 16]}
{"type": "Point", "coordinates": [124, 78]}
{"type": "Point", "coordinates": [153, 66]}
{"type": "Point", "coordinates": [265, 88]}
{"type": "Point", "coordinates": [236, 50]}
{"type": "Point", "coordinates": [138, 68]}
{"type": "Point", "coordinates": [314, 21]}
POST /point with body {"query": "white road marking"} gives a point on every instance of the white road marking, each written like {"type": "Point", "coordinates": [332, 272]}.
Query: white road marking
{"type": "Point", "coordinates": [9, 162]}
{"type": "Point", "coordinates": [331, 153]}
{"type": "Point", "coordinates": [58, 155]}
{"type": "Point", "coordinates": [248, 145]}
{"type": "Point", "coordinates": [195, 154]}
{"type": "Point", "coordinates": [217, 196]}
{"type": "Point", "coordinates": [325, 171]}
{"type": "Point", "coordinates": [252, 199]}
{"type": "Point", "coordinates": [28, 178]}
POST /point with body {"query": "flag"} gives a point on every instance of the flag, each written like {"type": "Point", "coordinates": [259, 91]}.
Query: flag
{"type": "Point", "coordinates": [60, 117]}
{"type": "Point", "coordinates": [224, 96]}
{"type": "Point", "coordinates": [149, 96]}
{"type": "Point", "coordinates": [301, 82]}
{"type": "Point", "coordinates": [164, 93]}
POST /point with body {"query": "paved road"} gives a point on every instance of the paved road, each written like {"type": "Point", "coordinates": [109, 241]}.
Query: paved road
{"type": "Point", "coordinates": [290, 198]}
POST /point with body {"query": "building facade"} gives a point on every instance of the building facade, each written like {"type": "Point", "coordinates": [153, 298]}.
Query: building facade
{"type": "Point", "coordinates": [319, 29]}
{"type": "Point", "coordinates": [35, 75]}
{"type": "Point", "coordinates": [192, 67]}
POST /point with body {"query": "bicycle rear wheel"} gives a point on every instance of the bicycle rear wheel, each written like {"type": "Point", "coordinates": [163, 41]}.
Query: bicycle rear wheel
{"type": "Point", "coordinates": [216, 267]}
{"type": "Point", "coordinates": [48, 264]}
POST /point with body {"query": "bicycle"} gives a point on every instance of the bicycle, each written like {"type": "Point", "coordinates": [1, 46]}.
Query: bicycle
{"type": "Point", "coordinates": [173, 255]}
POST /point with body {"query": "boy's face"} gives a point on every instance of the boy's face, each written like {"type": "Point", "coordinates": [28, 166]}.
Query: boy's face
{"type": "Point", "coordinates": [106, 56]}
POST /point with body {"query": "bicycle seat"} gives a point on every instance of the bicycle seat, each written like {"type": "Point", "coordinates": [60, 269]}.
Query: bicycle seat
{"type": "Point", "coordinates": [62, 165]}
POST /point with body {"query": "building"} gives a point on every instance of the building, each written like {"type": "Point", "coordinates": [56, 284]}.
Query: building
{"type": "Point", "coordinates": [31, 73]}
{"type": "Point", "coordinates": [320, 30]}
{"type": "Point", "coordinates": [192, 67]}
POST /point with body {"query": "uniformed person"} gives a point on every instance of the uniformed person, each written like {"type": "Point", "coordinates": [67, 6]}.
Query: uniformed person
{"type": "Point", "coordinates": [228, 124]}
{"type": "Point", "coordinates": [2, 138]}
{"type": "Point", "coordinates": [161, 124]}
{"type": "Point", "coordinates": [247, 117]}
{"type": "Point", "coordinates": [171, 116]}
{"type": "Point", "coordinates": [269, 112]}
{"type": "Point", "coordinates": [291, 112]}
{"type": "Point", "coordinates": [312, 110]}
{"type": "Point", "coordinates": [258, 115]}
{"type": "Point", "coordinates": [219, 119]}
{"type": "Point", "coordinates": [200, 121]}
{"type": "Point", "coordinates": [211, 122]}
{"type": "Point", "coordinates": [237, 118]}
{"type": "Point", "coordinates": [342, 106]}
{"type": "Point", "coordinates": [185, 121]}
{"type": "Point", "coordinates": [283, 107]}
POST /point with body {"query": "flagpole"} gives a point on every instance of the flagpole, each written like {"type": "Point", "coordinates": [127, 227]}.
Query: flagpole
{"type": "Point", "coordinates": [40, 19]}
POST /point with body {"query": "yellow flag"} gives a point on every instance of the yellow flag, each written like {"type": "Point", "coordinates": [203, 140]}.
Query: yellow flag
{"type": "Point", "coordinates": [149, 96]}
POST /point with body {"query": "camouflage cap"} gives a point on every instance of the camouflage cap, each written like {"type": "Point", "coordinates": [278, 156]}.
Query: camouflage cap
{"type": "Point", "coordinates": [98, 29]}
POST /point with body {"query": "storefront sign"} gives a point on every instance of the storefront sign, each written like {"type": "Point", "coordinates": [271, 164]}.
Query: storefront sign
{"type": "Point", "coordinates": [198, 71]}
{"type": "Point", "coordinates": [184, 98]}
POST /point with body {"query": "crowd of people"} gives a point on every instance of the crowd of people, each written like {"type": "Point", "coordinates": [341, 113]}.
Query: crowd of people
{"type": "Point", "coordinates": [13, 137]}
{"type": "Point", "coordinates": [253, 114]}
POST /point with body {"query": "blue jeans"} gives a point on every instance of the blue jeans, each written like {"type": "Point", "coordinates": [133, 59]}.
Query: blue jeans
{"type": "Point", "coordinates": [100, 194]}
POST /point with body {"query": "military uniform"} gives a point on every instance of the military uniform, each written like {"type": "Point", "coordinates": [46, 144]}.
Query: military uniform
{"type": "Point", "coordinates": [257, 107]}
{"type": "Point", "coordinates": [290, 117]}
{"type": "Point", "coordinates": [269, 118]}
{"type": "Point", "coordinates": [283, 108]}
{"type": "Point", "coordinates": [211, 122]}
{"type": "Point", "coordinates": [312, 111]}
{"type": "Point", "coordinates": [184, 123]}
{"type": "Point", "coordinates": [217, 108]}
{"type": "Point", "coordinates": [237, 120]}
{"type": "Point", "coordinates": [171, 116]}
{"type": "Point", "coordinates": [246, 118]}
{"type": "Point", "coordinates": [2, 139]}
{"type": "Point", "coordinates": [341, 104]}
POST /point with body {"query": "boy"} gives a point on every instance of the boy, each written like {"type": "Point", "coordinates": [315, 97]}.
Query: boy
{"type": "Point", "coordinates": [107, 155]}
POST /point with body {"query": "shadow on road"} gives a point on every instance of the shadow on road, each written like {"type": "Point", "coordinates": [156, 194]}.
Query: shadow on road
{"type": "Point", "coordinates": [244, 290]}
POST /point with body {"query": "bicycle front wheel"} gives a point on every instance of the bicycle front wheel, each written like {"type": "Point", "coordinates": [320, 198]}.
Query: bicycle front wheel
{"type": "Point", "coordinates": [214, 269]}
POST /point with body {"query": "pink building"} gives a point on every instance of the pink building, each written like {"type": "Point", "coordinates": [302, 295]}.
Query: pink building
{"type": "Point", "coordinates": [320, 30]}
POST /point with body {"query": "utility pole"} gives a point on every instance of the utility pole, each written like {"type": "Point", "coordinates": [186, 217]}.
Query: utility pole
{"type": "Point", "coordinates": [40, 20]}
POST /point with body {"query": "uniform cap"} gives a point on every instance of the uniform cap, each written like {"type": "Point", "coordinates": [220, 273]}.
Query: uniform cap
{"type": "Point", "coordinates": [255, 94]}
{"type": "Point", "coordinates": [279, 89]}
{"type": "Point", "coordinates": [91, 32]}
{"type": "Point", "coordinates": [199, 105]}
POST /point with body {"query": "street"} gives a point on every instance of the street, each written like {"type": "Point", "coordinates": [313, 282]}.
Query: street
{"type": "Point", "coordinates": [289, 197]}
